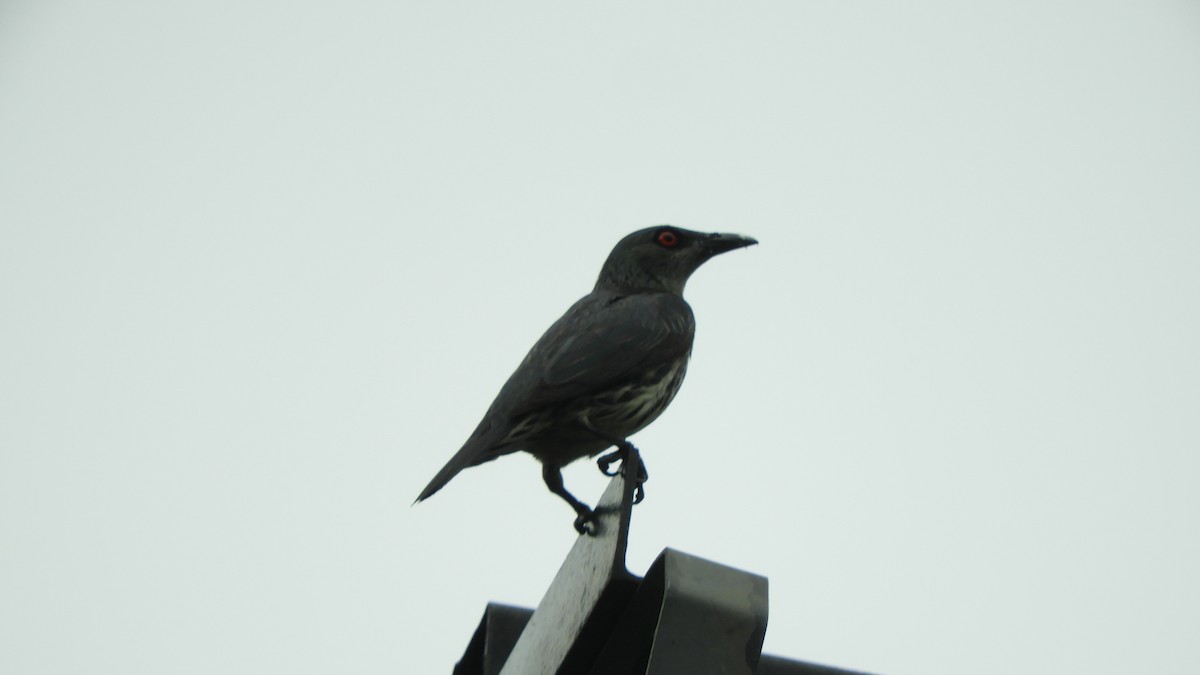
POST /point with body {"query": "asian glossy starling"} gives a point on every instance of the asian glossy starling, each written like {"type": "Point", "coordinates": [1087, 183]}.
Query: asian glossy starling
{"type": "Point", "coordinates": [603, 371]}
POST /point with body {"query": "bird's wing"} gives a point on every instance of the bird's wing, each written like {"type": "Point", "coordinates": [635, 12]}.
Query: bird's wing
{"type": "Point", "coordinates": [600, 342]}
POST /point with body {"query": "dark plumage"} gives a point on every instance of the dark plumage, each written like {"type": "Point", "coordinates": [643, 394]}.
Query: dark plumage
{"type": "Point", "coordinates": [603, 371]}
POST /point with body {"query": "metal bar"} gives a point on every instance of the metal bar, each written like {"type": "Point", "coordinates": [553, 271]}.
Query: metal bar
{"type": "Point", "coordinates": [587, 595]}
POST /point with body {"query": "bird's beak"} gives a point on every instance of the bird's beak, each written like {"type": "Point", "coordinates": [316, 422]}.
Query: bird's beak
{"type": "Point", "coordinates": [719, 242]}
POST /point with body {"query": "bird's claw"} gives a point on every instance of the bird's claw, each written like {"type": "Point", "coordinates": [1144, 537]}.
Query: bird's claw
{"type": "Point", "coordinates": [606, 461]}
{"type": "Point", "coordinates": [586, 523]}
{"type": "Point", "coordinates": [621, 454]}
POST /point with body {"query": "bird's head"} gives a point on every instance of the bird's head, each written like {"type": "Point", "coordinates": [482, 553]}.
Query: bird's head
{"type": "Point", "coordinates": [662, 258]}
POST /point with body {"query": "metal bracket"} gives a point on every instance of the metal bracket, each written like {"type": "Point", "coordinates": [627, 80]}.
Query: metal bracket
{"type": "Point", "coordinates": [588, 594]}
{"type": "Point", "coordinates": [688, 616]}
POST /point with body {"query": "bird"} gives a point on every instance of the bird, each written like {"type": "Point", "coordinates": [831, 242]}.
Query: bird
{"type": "Point", "coordinates": [605, 370]}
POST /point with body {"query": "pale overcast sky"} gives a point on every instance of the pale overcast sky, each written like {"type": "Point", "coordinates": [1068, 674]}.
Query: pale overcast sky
{"type": "Point", "coordinates": [263, 266]}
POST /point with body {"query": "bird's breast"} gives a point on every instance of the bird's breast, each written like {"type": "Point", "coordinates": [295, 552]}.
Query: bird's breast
{"type": "Point", "coordinates": [629, 407]}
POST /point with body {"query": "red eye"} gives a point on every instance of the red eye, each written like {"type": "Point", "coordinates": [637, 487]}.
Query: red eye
{"type": "Point", "coordinates": [667, 238]}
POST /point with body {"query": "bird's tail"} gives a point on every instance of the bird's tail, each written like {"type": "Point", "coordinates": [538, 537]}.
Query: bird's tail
{"type": "Point", "coordinates": [479, 448]}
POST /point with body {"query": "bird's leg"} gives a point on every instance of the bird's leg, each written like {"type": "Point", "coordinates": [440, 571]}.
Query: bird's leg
{"type": "Point", "coordinates": [624, 450]}
{"type": "Point", "coordinates": [585, 518]}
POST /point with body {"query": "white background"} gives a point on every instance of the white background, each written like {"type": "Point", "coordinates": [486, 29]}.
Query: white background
{"type": "Point", "coordinates": [263, 265]}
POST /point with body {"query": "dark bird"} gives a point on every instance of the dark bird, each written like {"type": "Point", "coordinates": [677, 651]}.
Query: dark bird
{"type": "Point", "coordinates": [605, 370]}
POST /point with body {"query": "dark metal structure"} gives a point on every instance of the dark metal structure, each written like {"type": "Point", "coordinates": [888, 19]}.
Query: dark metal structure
{"type": "Point", "coordinates": [687, 616]}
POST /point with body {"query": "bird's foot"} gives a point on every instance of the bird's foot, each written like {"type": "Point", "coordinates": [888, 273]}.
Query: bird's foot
{"type": "Point", "coordinates": [623, 452]}
{"type": "Point", "coordinates": [607, 460]}
{"type": "Point", "coordinates": [642, 476]}
{"type": "Point", "coordinates": [587, 523]}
